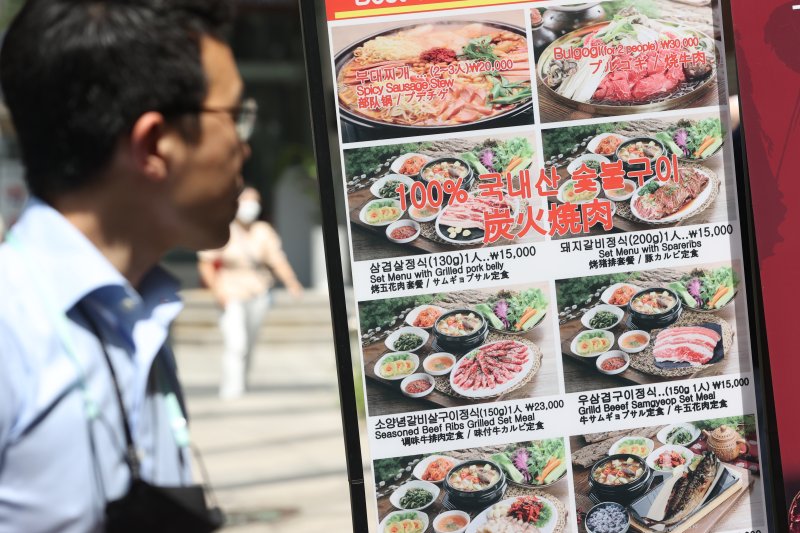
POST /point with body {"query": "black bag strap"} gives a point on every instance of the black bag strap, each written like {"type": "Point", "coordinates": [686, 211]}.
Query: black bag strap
{"type": "Point", "coordinates": [131, 456]}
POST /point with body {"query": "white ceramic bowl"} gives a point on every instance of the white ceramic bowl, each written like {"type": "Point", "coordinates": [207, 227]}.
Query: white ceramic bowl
{"type": "Point", "coordinates": [397, 495]}
{"type": "Point", "coordinates": [607, 334]}
{"type": "Point", "coordinates": [415, 377]}
{"type": "Point", "coordinates": [379, 183]}
{"type": "Point", "coordinates": [412, 315]}
{"type": "Point", "coordinates": [363, 214]}
{"type": "Point", "coordinates": [629, 334]}
{"type": "Point", "coordinates": [419, 470]}
{"type": "Point", "coordinates": [621, 195]}
{"type": "Point", "coordinates": [616, 446]}
{"type": "Point", "coordinates": [420, 516]}
{"type": "Point", "coordinates": [399, 224]}
{"type": "Point", "coordinates": [592, 146]}
{"type": "Point", "coordinates": [608, 355]}
{"type": "Point", "coordinates": [414, 214]}
{"type": "Point", "coordinates": [613, 309]}
{"type": "Point", "coordinates": [392, 339]}
{"type": "Point", "coordinates": [411, 357]}
{"type": "Point", "coordinates": [692, 429]}
{"type": "Point", "coordinates": [687, 454]}
{"type": "Point", "coordinates": [446, 514]}
{"type": "Point", "coordinates": [432, 356]}
{"type": "Point", "coordinates": [576, 164]}
{"type": "Point", "coordinates": [400, 161]}
{"type": "Point", "coordinates": [606, 296]}
{"type": "Point", "coordinates": [562, 190]}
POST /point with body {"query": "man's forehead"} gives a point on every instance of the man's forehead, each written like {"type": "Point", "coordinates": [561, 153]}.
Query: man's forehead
{"type": "Point", "coordinates": [224, 82]}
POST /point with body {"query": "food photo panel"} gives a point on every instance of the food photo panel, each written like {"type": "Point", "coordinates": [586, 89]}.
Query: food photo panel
{"type": "Point", "coordinates": [701, 476]}
{"type": "Point", "coordinates": [623, 58]}
{"type": "Point", "coordinates": [459, 348]}
{"type": "Point", "coordinates": [654, 326]}
{"type": "Point", "coordinates": [442, 209]}
{"type": "Point", "coordinates": [520, 487]}
{"type": "Point", "coordinates": [654, 173]}
{"type": "Point", "coordinates": [432, 75]}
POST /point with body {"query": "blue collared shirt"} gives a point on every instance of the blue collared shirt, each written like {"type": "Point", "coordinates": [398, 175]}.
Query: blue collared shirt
{"type": "Point", "coordinates": [58, 464]}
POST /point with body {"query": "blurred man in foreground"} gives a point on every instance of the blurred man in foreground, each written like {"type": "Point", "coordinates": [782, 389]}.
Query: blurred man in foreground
{"type": "Point", "coordinates": [133, 134]}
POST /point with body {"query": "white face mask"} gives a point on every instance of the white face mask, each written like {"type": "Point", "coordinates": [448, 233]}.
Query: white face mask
{"type": "Point", "coordinates": [248, 211]}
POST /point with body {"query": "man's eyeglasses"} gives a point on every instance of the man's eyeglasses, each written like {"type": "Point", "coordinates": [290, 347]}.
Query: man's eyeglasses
{"type": "Point", "coordinates": [244, 117]}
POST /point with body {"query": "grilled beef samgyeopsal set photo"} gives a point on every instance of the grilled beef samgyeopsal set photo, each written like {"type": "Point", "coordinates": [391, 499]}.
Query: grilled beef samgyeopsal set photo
{"type": "Point", "coordinates": [647, 327]}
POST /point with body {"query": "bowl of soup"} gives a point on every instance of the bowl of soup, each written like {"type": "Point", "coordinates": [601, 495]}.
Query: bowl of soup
{"type": "Point", "coordinates": [447, 169]}
{"type": "Point", "coordinates": [475, 483]}
{"type": "Point", "coordinates": [459, 330]}
{"type": "Point", "coordinates": [655, 307]}
{"type": "Point", "coordinates": [439, 364]}
{"type": "Point", "coordinates": [620, 478]}
{"type": "Point", "coordinates": [451, 522]}
{"type": "Point", "coordinates": [638, 149]}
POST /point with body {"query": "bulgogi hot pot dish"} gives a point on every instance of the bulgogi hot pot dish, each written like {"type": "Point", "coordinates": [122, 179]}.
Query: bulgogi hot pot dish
{"type": "Point", "coordinates": [469, 72]}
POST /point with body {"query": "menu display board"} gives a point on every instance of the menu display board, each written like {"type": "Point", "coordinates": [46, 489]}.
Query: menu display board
{"type": "Point", "coordinates": [551, 257]}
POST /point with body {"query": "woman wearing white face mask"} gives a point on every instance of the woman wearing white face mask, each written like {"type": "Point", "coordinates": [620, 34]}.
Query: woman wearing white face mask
{"type": "Point", "coordinates": [241, 275]}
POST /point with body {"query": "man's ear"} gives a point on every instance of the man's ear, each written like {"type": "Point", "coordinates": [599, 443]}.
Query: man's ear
{"type": "Point", "coordinates": [147, 147]}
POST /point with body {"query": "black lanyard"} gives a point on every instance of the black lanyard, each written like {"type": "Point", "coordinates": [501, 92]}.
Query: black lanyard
{"type": "Point", "coordinates": [131, 456]}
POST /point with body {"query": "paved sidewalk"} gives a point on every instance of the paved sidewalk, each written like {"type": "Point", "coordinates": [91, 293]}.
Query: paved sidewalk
{"type": "Point", "coordinates": [275, 456]}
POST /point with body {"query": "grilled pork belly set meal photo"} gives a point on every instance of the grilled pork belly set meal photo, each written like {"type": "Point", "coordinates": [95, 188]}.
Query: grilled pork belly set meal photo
{"type": "Point", "coordinates": [453, 166]}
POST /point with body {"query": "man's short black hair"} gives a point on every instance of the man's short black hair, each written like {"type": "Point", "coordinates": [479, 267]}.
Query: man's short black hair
{"type": "Point", "coordinates": [77, 74]}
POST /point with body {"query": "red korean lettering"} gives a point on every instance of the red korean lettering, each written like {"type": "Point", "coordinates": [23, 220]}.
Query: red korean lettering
{"type": "Point", "coordinates": [612, 176]}
{"type": "Point", "coordinates": [640, 173]}
{"type": "Point", "coordinates": [491, 185]}
{"type": "Point", "coordinates": [547, 184]}
{"type": "Point", "coordinates": [585, 180]}
{"type": "Point", "coordinates": [524, 190]}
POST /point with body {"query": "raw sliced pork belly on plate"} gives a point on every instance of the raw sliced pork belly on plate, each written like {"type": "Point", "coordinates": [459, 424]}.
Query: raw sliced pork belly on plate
{"type": "Point", "coordinates": [694, 345]}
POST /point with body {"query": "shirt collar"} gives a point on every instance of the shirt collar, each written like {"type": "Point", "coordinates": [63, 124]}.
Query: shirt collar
{"type": "Point", "coordinates": [73, 268]}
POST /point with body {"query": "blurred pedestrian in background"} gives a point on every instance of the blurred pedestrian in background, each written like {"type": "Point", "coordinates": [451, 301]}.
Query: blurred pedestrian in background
{"type": "Point", "coordinates": [241, 276]}
{"type": "Point", "coordinates": [133, 132]}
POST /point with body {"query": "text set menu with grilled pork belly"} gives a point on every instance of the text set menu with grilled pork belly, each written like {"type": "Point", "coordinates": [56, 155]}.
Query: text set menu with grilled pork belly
{"type": "Point", "coordinates": [547, 258]}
